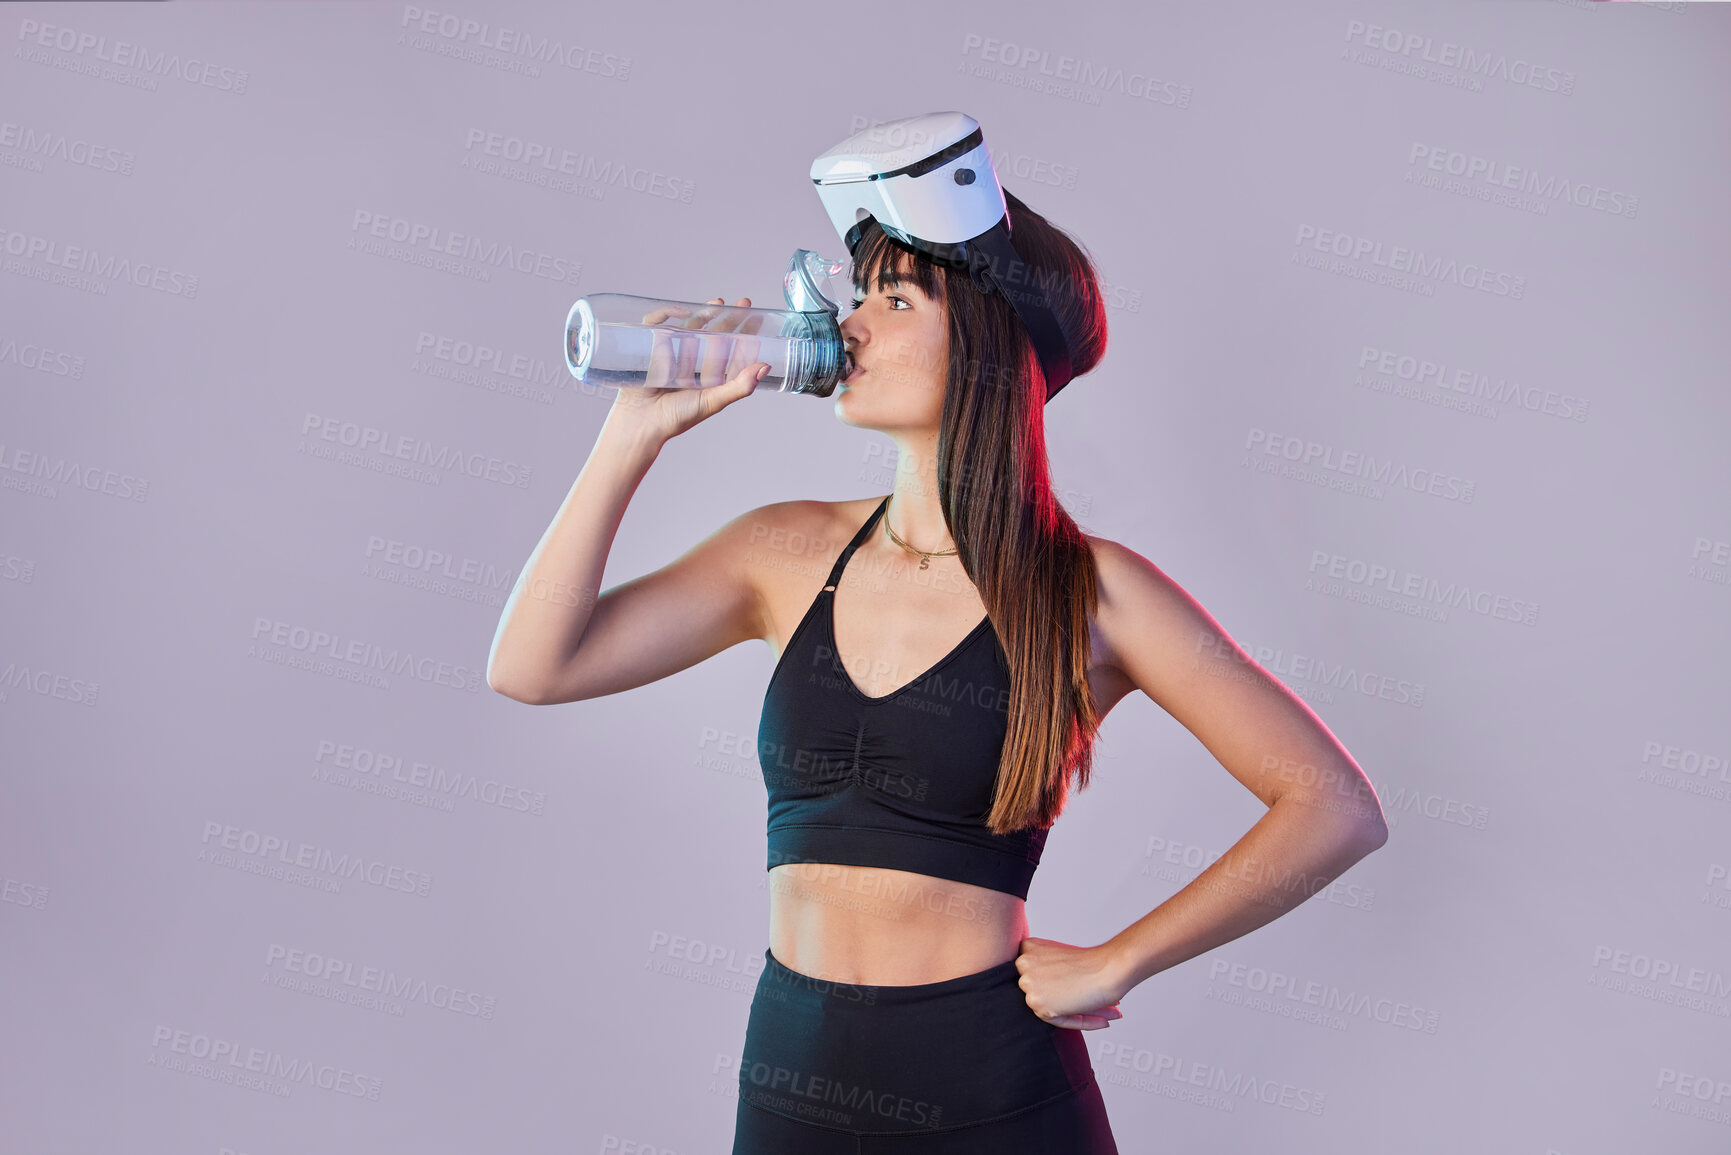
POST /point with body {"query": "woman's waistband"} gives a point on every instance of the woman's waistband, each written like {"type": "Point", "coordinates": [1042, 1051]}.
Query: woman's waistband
{"type": "Point", "coordinates": [993, 978]}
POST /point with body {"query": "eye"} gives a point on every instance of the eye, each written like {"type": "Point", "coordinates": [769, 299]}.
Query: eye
{"type": "Point", "coordinates": [859, 300]}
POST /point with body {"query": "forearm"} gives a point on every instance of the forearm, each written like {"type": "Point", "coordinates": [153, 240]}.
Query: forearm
{"type": "Point", "coordinates": [1292, 851]}
{"type": "Point", "coordinates": [548, 610]}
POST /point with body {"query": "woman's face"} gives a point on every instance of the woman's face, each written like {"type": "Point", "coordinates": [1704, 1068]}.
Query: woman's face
{"type": "Point", "coordinates": [900, 342]}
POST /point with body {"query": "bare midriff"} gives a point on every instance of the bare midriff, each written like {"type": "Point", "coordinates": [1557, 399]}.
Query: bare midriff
{"type": "Point", "coordinates": [883, 927]}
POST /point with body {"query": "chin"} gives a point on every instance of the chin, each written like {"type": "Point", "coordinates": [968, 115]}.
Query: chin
{"type": "Point", "coordinates": [845, 414]}
{"type": "Point", "coordinates": [867, 411]}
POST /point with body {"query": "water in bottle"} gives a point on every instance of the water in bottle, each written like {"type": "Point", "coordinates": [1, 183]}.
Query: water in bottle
{"type": "Point", "coordinates": [619, 339]}
{"type": "Point", "coordinates": [691, 345]}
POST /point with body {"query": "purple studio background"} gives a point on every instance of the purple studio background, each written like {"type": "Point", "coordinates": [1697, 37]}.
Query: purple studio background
{"type": "Point", "coordinates": [1416, 381]}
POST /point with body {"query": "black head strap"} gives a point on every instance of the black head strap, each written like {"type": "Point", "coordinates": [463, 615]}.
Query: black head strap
{"type": "Point", "coordinates": [995, 263]}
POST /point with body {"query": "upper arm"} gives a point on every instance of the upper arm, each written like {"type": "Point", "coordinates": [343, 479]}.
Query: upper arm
{"type": "Point", "coordinates": [704, 601]}
{"type": "Point", "coordinates": [1164, 642]}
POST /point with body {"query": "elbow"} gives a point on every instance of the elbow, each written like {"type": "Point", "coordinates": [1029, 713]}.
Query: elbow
{"type": "Point", "coordinates": [1375, 835]}
{"type": "Point", "coordinates": [1370, 833]}
{"type": "Point", "coordinates": [545, 692]}
{"type": "Point", "coordinates": [501, 682]}
{"type": "Point", "coordinates": [511, 692]}
{"type": "Point", "coordinates": [1356, 830]}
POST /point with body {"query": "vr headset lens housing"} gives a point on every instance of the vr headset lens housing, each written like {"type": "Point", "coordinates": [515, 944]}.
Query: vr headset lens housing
{"type": "Point", "coordinates": [929, 183]}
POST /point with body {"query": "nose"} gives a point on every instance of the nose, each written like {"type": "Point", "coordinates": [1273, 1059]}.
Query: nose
{"type": "Point", "coordinates": [851, 330]}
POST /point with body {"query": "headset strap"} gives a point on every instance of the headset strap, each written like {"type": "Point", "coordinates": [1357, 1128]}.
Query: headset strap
{"type": "Point", "coordinates": [995, 263]}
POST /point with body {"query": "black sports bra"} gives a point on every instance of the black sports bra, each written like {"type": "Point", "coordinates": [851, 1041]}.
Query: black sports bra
{"type": "Point", "coordinates": [903, 780]}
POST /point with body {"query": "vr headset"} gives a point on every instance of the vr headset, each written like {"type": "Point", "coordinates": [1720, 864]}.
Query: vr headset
{"type": "Point", "coordinates": [928, 182]}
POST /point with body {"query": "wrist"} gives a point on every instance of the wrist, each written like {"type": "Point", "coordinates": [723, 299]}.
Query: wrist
{"type": "Point", "coordinates": [1119, 966]}
{"type": "Point", "coordinates": [627, 439]}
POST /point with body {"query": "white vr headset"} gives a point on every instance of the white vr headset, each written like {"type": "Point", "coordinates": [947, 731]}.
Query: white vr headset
{"type": "Point", "coordinates": [928, 182]}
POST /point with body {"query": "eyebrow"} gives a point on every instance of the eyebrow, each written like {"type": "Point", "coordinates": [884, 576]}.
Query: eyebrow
{"type": "Point", "coordinates": [887, 279]}
{"type": "Point", "coordinates": [890, 281]}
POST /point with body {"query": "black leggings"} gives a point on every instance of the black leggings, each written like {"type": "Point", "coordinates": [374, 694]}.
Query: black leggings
{"type": "Point", "coordinates": [958, 1067]}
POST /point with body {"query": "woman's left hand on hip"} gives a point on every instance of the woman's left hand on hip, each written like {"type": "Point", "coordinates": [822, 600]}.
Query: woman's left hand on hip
{"type": "Point", "coordinates": [1068, 986]}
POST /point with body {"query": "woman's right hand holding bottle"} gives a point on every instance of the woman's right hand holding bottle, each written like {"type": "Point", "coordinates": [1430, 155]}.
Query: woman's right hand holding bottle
{"type": "Point", "coordinates": [677, 394]}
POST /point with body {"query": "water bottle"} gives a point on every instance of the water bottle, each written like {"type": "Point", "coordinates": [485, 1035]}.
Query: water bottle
{"type": "Point", "coordinates": [619, 339]}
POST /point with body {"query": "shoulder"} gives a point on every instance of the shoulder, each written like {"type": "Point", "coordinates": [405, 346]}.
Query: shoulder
{"type": "Point", "coordinates": [1126, 574]}
{"type": "Point", "coordinates": [805, 528]}
{"type": "Point", "coordinates": [785, 541]}
{"type": "Point", "coordinates": [1117, 566]}
{"type": "Point", "coordinates": [1140, 605]}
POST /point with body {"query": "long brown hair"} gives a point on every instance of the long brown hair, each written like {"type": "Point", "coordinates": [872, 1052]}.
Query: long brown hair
{"type": "Point", "coordinates": [1018, 545]}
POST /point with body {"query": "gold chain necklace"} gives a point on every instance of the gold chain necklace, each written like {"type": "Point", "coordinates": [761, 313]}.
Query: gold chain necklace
{"type": "Point", "coordinates": [924, 556]}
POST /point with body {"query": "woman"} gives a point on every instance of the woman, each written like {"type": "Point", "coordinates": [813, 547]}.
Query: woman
{"type": "Point", "coordinates": [903, 1007]}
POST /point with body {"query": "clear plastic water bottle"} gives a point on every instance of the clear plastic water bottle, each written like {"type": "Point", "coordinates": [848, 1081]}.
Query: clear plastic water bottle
{"type": "Point", "coordinates": [618, 339]}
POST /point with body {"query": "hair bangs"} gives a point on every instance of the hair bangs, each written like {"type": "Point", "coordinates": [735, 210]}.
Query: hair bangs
{"type": "Point", "coordinates": [882, 259]}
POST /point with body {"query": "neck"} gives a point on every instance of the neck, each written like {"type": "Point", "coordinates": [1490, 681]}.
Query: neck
{"type": "Point", "coordinates": [916, 511]}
